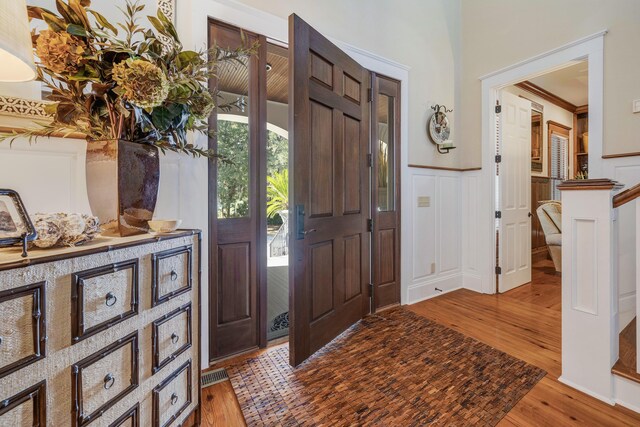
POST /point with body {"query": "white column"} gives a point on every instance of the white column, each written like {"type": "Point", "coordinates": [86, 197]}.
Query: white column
{"type": "Point", "coordinates": [589, 287]}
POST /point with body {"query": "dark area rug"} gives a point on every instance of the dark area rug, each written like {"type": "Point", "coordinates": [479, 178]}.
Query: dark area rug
{"type": "Point", "coordinates": [393, 369]}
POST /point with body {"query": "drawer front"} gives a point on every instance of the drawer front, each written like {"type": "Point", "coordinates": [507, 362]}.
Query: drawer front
{"type": "Point", "coordinates": [105, 377]}
{"type": "Point", "coordinates": [171, 273]}
{"type": "Point", "coordinates": [103, 297]}
{"type": "Point", "coordinates": [131, 418]}
{"type": "Point", "coordinates": [172, 396]}
{"type": "Point", "coordinates": [171, 336]}
{"type": "Point", "coordinates": [22, 329]}
{"type": "Point", "coordinates": [26, 409]}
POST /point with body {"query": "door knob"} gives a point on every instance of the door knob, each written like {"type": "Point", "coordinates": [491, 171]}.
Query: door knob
{"type": "Point", "coordinates": [530, 214]}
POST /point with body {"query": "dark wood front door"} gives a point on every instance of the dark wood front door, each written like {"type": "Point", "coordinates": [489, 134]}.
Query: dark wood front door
{"type": "Point", "coordinates": [236, 199]}
{"type": "Point", "coordinates": [329, 190]}
{"type": "Point", "coordinates": [385, 192]}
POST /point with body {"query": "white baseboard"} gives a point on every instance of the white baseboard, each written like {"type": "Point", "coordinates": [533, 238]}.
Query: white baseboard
{"type": "Point", "coordinates": [427, 289]}
{"type": "Point", "coordinates": [472, 282]}
{"type": "Point", "coordinates": [586, 391]}
{"type": "Point", "coordinates": [627, 393]}
{"type": "Point", "coordinates": [627, 310]}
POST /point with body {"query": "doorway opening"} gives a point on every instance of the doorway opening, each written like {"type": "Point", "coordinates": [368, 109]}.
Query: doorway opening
{"type": "Point", "coordinates": [277, 207]}
{"type": "Point", "coordinates": [543, 140]}
{"type": "Point", "coordinates": [294, 215]}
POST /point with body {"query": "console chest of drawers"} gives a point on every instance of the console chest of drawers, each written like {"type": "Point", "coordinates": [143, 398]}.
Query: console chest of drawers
{"type": "Point", "coordinates": [106, 334]}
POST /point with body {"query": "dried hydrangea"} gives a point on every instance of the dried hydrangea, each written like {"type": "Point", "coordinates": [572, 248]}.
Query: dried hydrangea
{"type": "Point", "coordinates": [202, 105]}
{"type": "Point", "coordinates": [144, 84]}
{"type": "Point", "coordinates": [60, 52]}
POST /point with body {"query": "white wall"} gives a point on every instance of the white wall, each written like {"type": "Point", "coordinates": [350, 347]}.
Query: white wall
{"type": "Point", "coordinates": [499, 33]}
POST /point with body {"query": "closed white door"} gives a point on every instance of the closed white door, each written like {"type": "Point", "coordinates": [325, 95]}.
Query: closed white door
{"type": "Point", "coordinates": [515, 193]}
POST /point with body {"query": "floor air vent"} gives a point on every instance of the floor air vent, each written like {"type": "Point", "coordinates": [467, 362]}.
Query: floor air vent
{"type": "Point", "coordinates": [213, 377]}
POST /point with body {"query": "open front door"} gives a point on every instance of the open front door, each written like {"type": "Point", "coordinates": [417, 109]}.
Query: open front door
{"type": "Point", "coordinates": [515, 192]}
{"type": "Point", "coordinates": [329, 190]}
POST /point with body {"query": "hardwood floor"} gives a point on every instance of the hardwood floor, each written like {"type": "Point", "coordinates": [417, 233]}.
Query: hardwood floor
{"type": "Point", "coordinates": [220, 406]}
{"type": "Point", "coordinates": [524, 323]}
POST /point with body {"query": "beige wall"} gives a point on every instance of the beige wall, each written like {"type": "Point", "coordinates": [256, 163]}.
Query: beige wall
{"type": "Point", "coordinates": [421, 34]}
{"type": "Point", "coordinates": [498, 33]}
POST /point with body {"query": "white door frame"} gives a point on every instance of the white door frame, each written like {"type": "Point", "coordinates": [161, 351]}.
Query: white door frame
{"type": "Point", "coordinates": [589, 48]}
{"type": "Point", "coordinates": [192, 24]}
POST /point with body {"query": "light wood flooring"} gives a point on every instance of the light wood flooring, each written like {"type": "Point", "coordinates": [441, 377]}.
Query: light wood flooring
{"type": "Point", "coordinates": [525, 323]}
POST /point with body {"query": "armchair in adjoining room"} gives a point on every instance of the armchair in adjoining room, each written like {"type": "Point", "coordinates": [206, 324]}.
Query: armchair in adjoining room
{"type": "Point", "coordinates": [550, 215]}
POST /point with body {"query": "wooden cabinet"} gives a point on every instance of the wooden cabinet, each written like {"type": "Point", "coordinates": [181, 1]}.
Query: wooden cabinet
{"type": "Point", "coordinates": [540, 190]}
{"type": "Point", "coordinates": [106, 334]}
{"type": "Point", "coordinates": [581, 145]}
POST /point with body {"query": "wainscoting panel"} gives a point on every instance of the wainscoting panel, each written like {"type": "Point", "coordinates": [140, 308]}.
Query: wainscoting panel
{"type": "Point", "coordinates": [584, 283]}
{"type": "Point", "coordinates": [49, 175]}
{"type": "Point", "coordinates": [435, 221]}
{"type": "Point", "coordinates": [471, 224]}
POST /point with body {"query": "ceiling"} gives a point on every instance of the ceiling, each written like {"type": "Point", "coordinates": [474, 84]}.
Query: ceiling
{"type": "Point", "coordinates": [570, 83]}
{"type": "Point", "coordinates": [234, 78]}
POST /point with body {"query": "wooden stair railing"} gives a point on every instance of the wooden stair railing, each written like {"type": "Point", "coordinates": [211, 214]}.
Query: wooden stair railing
{"type": "Point", "coordinates": [626, 196]}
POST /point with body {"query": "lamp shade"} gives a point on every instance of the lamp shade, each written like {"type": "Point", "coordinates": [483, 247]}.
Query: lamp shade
{"type": "Point", "coordinates": [16, 51]}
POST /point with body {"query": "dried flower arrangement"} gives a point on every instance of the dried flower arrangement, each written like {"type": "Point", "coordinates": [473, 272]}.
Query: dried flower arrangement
{"type": "Point", "coordinates": [141, 87]}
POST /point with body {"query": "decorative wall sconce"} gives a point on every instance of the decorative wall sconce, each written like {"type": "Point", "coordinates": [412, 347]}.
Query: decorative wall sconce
{"type": "Point", "coordinates": [439, 129]}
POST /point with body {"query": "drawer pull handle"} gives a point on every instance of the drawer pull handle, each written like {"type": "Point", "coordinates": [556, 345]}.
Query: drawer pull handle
{"type": "Point", "coordinates": [109, 380]}
{"type": "Point", "coordinates": [174, 398]}
{"type": "Point", "coordinates": [110, 299]}
{"type": "Point", "coordinates": [174, 276]}
{"type": "Point", "coordinates": [174, 338]}
{"type": "Point", "coordinates": [0, 340]}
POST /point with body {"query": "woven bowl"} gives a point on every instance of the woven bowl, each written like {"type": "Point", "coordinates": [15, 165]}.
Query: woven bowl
{"type": "Point", "coordinates": [164, 225]}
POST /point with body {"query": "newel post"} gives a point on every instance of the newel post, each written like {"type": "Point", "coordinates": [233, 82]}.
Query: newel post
{"type": "Point", "coordinates": [589, 286]}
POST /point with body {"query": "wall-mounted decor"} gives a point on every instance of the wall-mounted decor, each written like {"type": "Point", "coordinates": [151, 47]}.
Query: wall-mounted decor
{"type": "Point", "coordinates": [439, 129]}
{"type": "Point", "coordinates": [15, 224]}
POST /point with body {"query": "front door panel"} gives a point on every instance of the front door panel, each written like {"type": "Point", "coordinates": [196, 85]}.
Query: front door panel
{"type": "Point", "coordinates": [385, 194]}
{"type": "Point", "coordinates": [329, 130]}
{"type": "Point", "coordinates": [234, 208]}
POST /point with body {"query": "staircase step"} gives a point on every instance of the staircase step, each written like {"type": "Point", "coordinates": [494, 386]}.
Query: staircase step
{"type": "Point", "coordinates": [627, 363]}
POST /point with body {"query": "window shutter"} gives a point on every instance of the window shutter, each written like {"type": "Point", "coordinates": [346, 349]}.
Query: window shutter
{"type": "Point", "coordinates": [559, 162]}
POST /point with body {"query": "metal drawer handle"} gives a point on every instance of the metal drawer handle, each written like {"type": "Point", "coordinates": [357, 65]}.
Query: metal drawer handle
{"type": "Point", "coordinates": [174, 338]}
{"type": "Point", "coordinates": [109, 380]}
{"type": "Point", "coordinates": [174, 276]}
{"type": "Point", "coordinates": [110, 299]}
{"type": "Point", "coordinates": [174, 398]}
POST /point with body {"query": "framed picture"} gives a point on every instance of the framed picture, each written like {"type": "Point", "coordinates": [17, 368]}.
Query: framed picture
{"type": "Point", "coordinates": [15, 224]}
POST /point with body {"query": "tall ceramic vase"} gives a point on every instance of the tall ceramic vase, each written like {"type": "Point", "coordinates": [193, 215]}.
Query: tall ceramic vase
{"type": "Point", "coordinates": [122, 184]}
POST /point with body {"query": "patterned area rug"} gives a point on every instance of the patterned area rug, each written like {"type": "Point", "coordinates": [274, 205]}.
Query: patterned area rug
{"type": "Point", "coordinates": [394, 369]}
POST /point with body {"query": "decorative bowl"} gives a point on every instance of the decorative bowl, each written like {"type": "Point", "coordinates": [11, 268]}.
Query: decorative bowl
{"type": "Point", "coordinates": [164, 225]}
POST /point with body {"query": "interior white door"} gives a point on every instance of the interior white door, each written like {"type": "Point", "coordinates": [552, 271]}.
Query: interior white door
{"type": "Point", "coordinates": [515, 193]}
